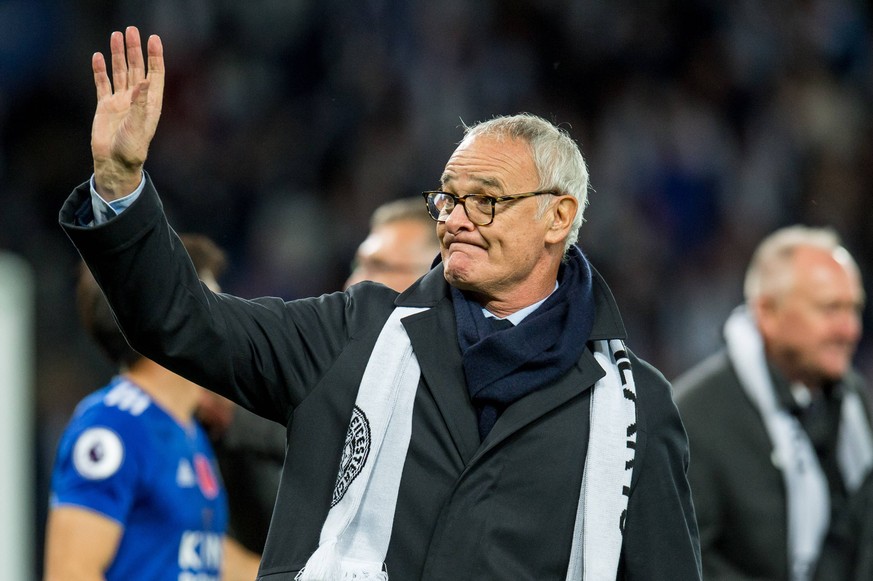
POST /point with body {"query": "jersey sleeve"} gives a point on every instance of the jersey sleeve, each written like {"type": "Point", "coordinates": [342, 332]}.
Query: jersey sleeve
{"type": "Point", "coordinates": [97, 464]}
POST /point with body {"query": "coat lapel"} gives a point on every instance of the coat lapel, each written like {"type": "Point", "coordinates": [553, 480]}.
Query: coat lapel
{"type": "Point", "coordinates": [435, 343]}
{"type": "Point", "coordinates": [433, 340]}
{"type": "Point", "coordinates": [535, 405]}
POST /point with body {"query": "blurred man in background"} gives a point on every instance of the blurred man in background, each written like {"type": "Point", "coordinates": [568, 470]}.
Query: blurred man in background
{"type": "Point", "coordinates": [400, 247]}
{"type": "Point", "coordinates": [777, 422]}
{"type": "Point", "coordinates": [135, 491]}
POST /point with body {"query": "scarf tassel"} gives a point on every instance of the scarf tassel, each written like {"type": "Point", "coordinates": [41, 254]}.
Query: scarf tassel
{"type": "Point", "coordinates": [325, 564]}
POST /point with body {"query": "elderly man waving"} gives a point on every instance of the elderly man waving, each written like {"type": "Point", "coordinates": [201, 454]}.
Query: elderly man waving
{"type": "Point", "coordinates": [487, 423]}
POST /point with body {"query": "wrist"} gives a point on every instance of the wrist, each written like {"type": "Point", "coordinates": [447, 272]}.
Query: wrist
{"type": "Point", "coordinates": [113, 181]}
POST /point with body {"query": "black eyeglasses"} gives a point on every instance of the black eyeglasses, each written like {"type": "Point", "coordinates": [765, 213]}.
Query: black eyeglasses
{"type": "Point", "coordinates": [479, 207]}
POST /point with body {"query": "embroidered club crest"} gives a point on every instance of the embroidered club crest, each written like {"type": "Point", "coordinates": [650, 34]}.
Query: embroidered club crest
{"type": "Point", "coordinates": [355, 452]}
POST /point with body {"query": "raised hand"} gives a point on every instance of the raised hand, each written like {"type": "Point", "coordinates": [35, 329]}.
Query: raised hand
{"type": "Point", "coordinates": [127, 114]}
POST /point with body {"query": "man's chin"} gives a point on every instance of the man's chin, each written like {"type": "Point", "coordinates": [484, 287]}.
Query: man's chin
{"type": "Point", "coordinates": [454, 278]}
{"type": "Point", "coordinates": [459, 278]}
{"type": "Point", "coordinates": [833, 373]}
{"type": "Point", "coordinates": [455, 270]}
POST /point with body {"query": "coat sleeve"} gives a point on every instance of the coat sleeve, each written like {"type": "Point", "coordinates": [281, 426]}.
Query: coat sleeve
{"type": "Point", "coordinates": [265, 354]}
{"type": "Point", "coordinates": [661, 538]}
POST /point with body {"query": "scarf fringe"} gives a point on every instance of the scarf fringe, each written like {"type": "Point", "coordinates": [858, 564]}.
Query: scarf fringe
{"type": "Point", "coordinates": [325, 564]}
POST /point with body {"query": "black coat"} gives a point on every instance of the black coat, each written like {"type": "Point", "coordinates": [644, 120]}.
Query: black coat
{"type": "Point", "coordinates": [500, 509]}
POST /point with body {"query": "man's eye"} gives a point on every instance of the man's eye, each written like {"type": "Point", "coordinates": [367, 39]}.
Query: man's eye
{"type": "Point", "coordinates": [482, 202]}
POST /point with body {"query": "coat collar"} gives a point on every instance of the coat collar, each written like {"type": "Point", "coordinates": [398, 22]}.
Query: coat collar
{"type": "Point", "coordinates": [434, 339]}
{"type": "Point", "coordinates": [432, 288]}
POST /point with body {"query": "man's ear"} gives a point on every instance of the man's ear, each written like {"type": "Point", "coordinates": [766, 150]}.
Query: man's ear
{"type": "Point", "coordinates": [765, 309]}
{"type": "Point", "coordinates": [562, 215]}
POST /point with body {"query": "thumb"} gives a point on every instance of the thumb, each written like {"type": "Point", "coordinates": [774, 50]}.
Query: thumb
{"type": "Point", "coordinates": [139, 103]}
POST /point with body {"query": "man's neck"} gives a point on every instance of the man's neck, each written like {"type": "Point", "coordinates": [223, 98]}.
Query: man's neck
{"type": "Point", "coordinates": [519, 315]}
{"type": "Point", "coordinates": [175, 394]}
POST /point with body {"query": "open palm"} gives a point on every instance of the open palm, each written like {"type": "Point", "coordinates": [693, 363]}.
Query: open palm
{"type": "Point", "coordinates": [127, 114]}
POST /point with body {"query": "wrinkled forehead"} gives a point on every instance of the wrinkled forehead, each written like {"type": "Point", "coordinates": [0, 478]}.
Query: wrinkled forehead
{"type": "Point", "coordinates": [491, 163]}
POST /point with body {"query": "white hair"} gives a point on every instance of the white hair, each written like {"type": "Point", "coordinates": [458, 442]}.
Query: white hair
{"type": "Point", "coordinates": [556, 156]}
{"type": "Point", "coordinates": [769, 271]}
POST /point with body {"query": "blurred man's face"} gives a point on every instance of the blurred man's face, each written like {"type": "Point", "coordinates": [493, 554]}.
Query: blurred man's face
{"type": "Point", "coordinates": [395, 254]}
{"type": "Point", "coordinates": [811, 331]}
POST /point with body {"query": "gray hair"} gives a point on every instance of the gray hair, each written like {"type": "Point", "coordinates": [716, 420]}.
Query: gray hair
{"type": "Point", "coordinates": [557, 158]}
{"type": "Point", "coordinates": [769, 271]}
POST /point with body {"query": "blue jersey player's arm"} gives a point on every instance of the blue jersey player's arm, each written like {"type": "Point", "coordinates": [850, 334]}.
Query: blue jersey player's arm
{"type": "Point", "coordinates": [80, 544]}
{"type": "Point", "coordinates": [93, 486]}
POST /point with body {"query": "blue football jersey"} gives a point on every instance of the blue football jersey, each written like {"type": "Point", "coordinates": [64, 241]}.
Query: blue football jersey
{"type": "Point", "coordinates": [124, 457]}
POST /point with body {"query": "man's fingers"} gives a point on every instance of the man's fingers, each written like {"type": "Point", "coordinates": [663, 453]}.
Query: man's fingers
{"type": "Point", "coordinates": [156, 55]}
{"type": "Point", "coordinates": [119, 62]}
{"type": "Point", "coordinates": [101, 79]}
{"type": "Point", "coordinates": [156, 74]}
{"type": "Point", "coordinates": [135, 64]}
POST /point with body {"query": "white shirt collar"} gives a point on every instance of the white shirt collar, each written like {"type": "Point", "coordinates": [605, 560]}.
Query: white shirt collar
{"type": "Point", "coordinates": [518, 316]}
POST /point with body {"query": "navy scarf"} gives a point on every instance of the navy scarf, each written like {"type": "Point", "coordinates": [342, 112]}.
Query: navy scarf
{"type": "Point", "coordinates": [502, 366]}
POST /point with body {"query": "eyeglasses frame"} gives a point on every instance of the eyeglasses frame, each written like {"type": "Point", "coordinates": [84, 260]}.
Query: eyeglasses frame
{"type": "Point", "coordinates": [493, 200]}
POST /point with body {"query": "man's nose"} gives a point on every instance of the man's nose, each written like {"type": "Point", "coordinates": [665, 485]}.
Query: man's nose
{"type": "Point", "coordinates": [847, 324]}
{"type": "Point", "coordinates": [458, 218]}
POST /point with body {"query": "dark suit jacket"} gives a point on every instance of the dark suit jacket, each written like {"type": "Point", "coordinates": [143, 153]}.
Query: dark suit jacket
{"type": "Point", "coordinates": [739, 494]}
{"type": "Point", "coordinates": [500, 509]}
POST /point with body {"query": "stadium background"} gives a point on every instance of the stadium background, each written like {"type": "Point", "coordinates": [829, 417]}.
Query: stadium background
{"type": "Point", "coordinates": [705, 124]}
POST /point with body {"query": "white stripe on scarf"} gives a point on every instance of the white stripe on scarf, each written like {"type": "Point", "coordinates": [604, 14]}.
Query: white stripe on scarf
{"type": "Point", "coordinates": [355, 535]}
{"type": "Point", "coordinates": [808, 498]}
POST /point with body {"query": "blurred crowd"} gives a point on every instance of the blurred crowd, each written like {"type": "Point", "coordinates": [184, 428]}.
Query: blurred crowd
{"type": "Point", "coordinates": [705, 124]}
